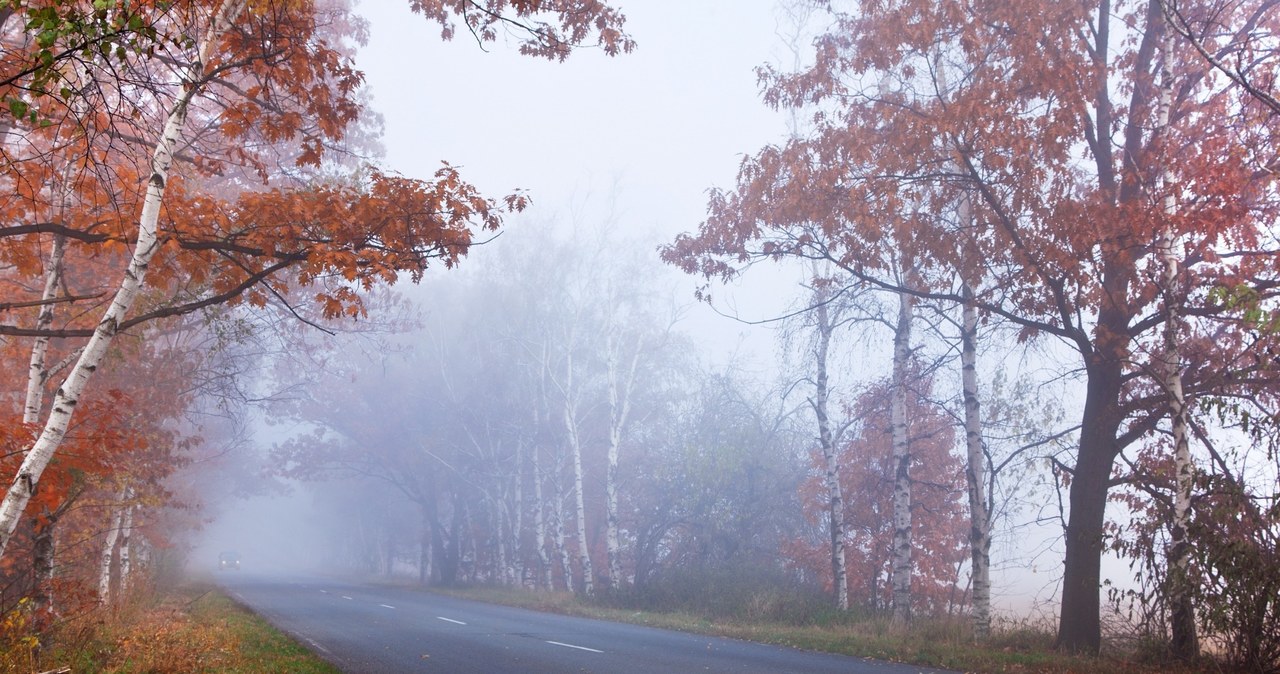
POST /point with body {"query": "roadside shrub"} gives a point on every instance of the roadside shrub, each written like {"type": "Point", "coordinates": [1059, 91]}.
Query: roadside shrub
{"type": "Point", "coordinates": [1236, 544]}
{"type": "Point", "coordinates": [748, 594]}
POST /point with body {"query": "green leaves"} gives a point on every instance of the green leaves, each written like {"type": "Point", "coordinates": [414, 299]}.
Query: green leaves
{"type": "Point", "coordinates": [18, 107]}
{"type": "Point", "coordinates": [64, 31]}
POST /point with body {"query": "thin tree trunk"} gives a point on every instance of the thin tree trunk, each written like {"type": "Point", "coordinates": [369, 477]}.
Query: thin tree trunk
{"type": "Point", "coordinates": [42, 451]}
{"type": "Point", "coordinates": [43, 553]}
{"type": "Point", "coordinates": [975, 471]}
{"type": "Point", "coordinates": [902, 564]}
{"type": "Point", "coordinates": [619, 410]}
{"type": "Point", "coordinates": [108, 553]}
{"type": "Point", "coordinates": [557, 514]}
{"type": "Point", "coordinates": [425, 550]}
{"type": "Point", "coordinates": [519, 565]}
{"type": "Point", "coordinates": [503, 573]}
{"type": "Point", "coordinates": [575, 456]}
{"type": "Point", "coordinates": [540, 524]}
{"type": "Point", "coordinates": [580, 515]}
{"type": "Point", "coordinates": [827, 440]}
{"type": "Point", "coordinates": [126, 552]}
{"type": "Point", "coordinates": [540, 534]}
{"type": "Point", "coordinates": [1185, 643]}
{"type": "Point", "coordinates": [37, 375]}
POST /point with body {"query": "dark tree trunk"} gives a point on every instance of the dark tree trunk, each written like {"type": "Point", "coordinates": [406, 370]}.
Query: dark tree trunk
{"type": "Point", "coordinates": [1080, 628]}
{"type": "Point", "coordinates": [43, 551]}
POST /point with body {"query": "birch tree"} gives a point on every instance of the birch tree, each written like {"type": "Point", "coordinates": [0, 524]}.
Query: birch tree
{"type": "Point", "coordinates": [1182, 614]}
{"type": "Point", "coordinates": [109, 552]}
{"type": "Point", "coordinates": [902, 532]}
{"type": "Point", "coordinates": [977, 474]}
{"type": "Point", "coordinates": [826, 318]}
{"type": "Point", "coordinates": [570, 396]}
{"type": "Point", "coordinates": [621, 377]}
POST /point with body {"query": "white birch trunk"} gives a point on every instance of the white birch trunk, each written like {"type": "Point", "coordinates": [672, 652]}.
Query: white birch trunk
{"type": "Point", "coordinates": [126, 553]}
{"type": "Point", "coordinates": [575, 456]}
{"type": "Point", "coordinates": [1185, 642]}
{"type": "Point", "coordinates": [68, 395]}
{"type": "Point", "coordinates": [902, 564]}
{"type": "Point", "coordinates": [37, 375]}
{"type": "Point", "coordinates": [108, 553]}
{"type": "Point", "coordinates": [620, 386]}
{"type": "Point", "coordinates": [975, 470]}
{"type": "Point", "coordinates": [827, 440]}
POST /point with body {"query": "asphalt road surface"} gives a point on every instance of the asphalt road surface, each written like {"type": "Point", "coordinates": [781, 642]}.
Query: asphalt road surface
{"type": "Point", "coordinates": [376, 629]}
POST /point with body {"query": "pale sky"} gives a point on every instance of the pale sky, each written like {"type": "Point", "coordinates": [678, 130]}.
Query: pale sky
{"type": "Point", "coordinates": [667, 121]}
{"type": "Point", "coordinates": [651, 131]}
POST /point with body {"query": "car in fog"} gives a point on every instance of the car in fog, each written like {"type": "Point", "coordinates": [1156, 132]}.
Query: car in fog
{"type": "Point", "coordinates": [229, 560]}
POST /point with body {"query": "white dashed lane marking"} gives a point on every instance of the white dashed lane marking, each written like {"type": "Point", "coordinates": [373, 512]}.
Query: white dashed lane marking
{"type": "Point", "coordinates": [450, 620]}
{"type": "Point", "coordinates": [581, 648]}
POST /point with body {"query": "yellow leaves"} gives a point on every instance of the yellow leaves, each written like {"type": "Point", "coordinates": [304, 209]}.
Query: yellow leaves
{"type": "Point", "coordinates": [18, 640]}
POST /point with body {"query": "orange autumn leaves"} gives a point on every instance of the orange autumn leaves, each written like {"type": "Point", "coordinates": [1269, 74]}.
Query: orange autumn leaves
{"type": "Point", "coordinates": [339, 238]}
{"type": "Point", "coordinates": [250, 197]}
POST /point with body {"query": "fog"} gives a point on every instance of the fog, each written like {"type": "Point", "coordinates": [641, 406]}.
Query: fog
{"type": "Point", "coordinates": [450, 445]}
{"type": "Point", "coordinates": [562, 400]}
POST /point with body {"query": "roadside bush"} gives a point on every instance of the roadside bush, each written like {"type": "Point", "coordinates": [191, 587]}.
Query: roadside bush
{"type": "Point", "coordinates": [1236, 544]}
{"type": "Point", "coordinates": [749, 594]}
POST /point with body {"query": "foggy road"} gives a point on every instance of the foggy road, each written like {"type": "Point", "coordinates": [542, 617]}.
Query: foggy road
{"type": "Point", "coordinates": [369, 628]}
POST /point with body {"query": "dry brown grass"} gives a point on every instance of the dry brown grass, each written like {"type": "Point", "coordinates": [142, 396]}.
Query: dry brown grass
{"type": "Point", "coordinates": [193, 629]}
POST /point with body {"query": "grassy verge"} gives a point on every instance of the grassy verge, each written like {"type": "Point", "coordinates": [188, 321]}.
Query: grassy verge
{"type": "Point", "coordinates": [194, 629]}
{"type": "Point", "coordinates": [933, 643]}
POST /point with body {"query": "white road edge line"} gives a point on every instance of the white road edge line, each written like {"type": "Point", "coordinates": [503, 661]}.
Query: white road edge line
{"type": "Point", "coordinates": [318, 646]}
{"type": "Point", "coordinates": [450, 620]}
{"type": "Point", "coordinates": [581, 648]}
{"type": "Point", "coordinates": [386, 606]}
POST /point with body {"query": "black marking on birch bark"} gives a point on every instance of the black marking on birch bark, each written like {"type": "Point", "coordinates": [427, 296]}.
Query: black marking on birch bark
{"type": "Point", "coordinates": [157, 180]}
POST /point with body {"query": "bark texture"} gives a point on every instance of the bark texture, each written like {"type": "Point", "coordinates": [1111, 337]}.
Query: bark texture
{"type": "Point", "coordinates": [902, 564]}
{"type": "Point", "coordinates": [108, 554]}
{"type": "Point", "coordinates": [976, 472]}
{"type": "Point", "coordinates": [827, 440]}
